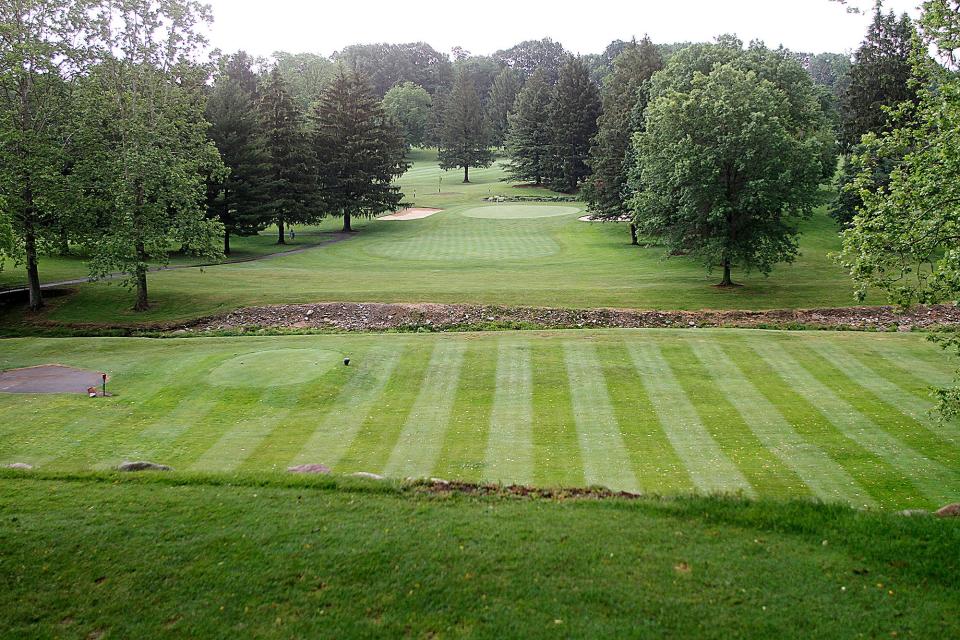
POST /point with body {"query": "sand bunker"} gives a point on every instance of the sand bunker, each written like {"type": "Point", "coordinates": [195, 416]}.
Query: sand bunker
{"type": "Point", "coordinates": [49, 378]}
{"type": "Point", "coordinates": [410, 214]}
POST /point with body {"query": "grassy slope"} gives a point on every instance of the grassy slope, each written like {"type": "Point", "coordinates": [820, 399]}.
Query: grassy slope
{"type": "Point", "coordinates": [88, 558]}
{"type": "Point", "coordinates": [453, 258]}
{"type": "Point", "coordinates": [839, 416]}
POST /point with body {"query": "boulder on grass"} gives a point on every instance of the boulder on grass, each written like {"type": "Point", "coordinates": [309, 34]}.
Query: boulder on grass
{"type": "Point", "coordinates": [20, 465]}
{"type": "Point", "coordinates": [950, 511]}
{"type": "Point", "coordinates": [143, 465]}
{"type": "Point", "coordinates": [309, 468]}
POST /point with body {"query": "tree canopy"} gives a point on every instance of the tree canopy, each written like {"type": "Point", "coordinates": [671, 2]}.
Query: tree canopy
{"type": "Point", "coordinates": [409, 105]}
{"type": "Point", "coordinates": [465, 140]}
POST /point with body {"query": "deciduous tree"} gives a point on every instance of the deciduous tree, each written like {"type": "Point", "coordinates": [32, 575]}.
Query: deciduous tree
{"type": "Point", "coordinates": [727, 166]}
{"type": "Point", "coordinates": [144, 145]}
{"type": "Point", "coordinates": [409, 105]}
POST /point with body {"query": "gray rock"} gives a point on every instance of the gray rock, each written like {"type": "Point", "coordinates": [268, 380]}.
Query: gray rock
{"type": "Point", "coordinates": [910, 513]}
{"type": "Point", "coordinates": [949, 511]}
{"type": "Point", "coordinates": [143, 465]}
{"type": "Point", "coordinates": [20, 465]}
{"type": "Point", "coordinates": [309, 468]}
{"type": "Point", "coordinates": [367, 474]}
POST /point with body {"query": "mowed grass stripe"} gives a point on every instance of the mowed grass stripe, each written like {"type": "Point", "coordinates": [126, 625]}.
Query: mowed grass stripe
{"type": "Point", "coordinates": [233, 447]}
{"type": "Point", "coordinates": [82, 437]}
{"type": "Point", "coordinates": [763, 470]}
{"type": "Point", "coordinates": [826, 479]}
{"type": "Point", "coordinates": [334, 434]}
{"type": "Point", "coordinates": [419, 445]}
{"type": "Point", "coordinates": [465, 442]}
{"type": "Point", "coordinates": [377, 436]}
{"type": "Point", "coordinates": [605, 459]}
{"type": "Point", "coordinates": [655, 464]}
{"type": "Point", "coordinates": [886, 484]}
{"type": "Point", "coordinates": [152, 442]}
{"type": "Point", "coordinates": [884, 390]}
{"type": "Point", "coordinates": [912, 365]}
{"type": "Point", "coordinates": [509, 457]}
{"type": "Point", "coordinates": [709, 467]}
{"type": "Point", "coordinates": [933, 480]}
{"type": "Point", "coordinates": [556, 450]}
{"type": "Point", "coordinates": [882, 413]}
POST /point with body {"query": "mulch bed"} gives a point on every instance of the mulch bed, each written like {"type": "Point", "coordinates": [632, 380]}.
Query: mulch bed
{"type": "Point", "coordinates": [384, 317]}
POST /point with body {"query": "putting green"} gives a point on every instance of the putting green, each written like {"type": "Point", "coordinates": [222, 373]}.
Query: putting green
{"type": "Point", "coordinates": [517, 211]}
{"type": "Point", "coordinates": [274, 367]}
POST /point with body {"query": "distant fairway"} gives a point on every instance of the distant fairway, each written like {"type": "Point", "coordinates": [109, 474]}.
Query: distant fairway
{"type": "Point", "coordinates": [473, 251]}
{"type": "Point", "coordinates": [519, 211]}
{"type": "Point", "coordinates": [837, 416]}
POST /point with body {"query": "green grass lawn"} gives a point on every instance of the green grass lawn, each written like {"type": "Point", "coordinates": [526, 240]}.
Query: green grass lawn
{"type": "Point", "coordinates": [172, 557]}
{"type": "Point", "coordinates": [472, 253]}
{"type": "Point", "coordinates": [842, 417]}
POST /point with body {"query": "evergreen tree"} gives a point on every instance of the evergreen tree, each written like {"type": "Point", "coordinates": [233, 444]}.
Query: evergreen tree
{"type": "Point", "coordinates": [465, 141]}
{"type": "Point", "coordinates": [879, 77]}
{"type": "Point", "coordinates": [503, 95]}
{"type": "Point", "coordinates": [624, 94]}
{"type": "Point", "coordinates": [409, 105]}
{"type": "Point", "coordinates": [573, 123]}
{"type": "Point", "coordinates": [433, 134]}
{"type": "Point", "coordinates": [359, 150]}
{"type": "Point", "coordinates": [289, 188]}
{"type": "Point", "coordinates": [237, 200]}
{"type": "Point", "coordinates": [528, 134]}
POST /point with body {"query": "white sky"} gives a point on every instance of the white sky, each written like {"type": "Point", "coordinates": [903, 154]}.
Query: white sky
{"type": "Point", "coordinates": [586, 26]}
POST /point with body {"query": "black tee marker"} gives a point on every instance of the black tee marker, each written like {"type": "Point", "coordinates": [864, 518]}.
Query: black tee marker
{"type": "Point", "coordinates": [346, 362]}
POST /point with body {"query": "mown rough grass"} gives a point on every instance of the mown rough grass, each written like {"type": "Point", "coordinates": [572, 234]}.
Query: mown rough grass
{"type": "Point", "coordinates": [171, 556]}
{"type": "Point", "coordinates": [768, 414]}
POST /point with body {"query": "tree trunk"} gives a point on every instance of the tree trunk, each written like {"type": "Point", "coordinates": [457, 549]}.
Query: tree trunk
{"type": "Point", "coordinates": [143, 303]}
{"type": "Point", "coordinates": [466, 175]}
{"type": "Point", "coordinates": [281, 239]}
{"type": "Point", "coordinates": [346, 222]}
{"type": "Point", "coordinates": [30, 248]}
{"type": "Point", "coordinates": [633, 234]}
{"type": "Point", "coordinates": [726, 282]}
{"type": "Point", "coordinates": [226, 242]}
{"type": "Point", "coordinates": [64, 242]}
{"type": "Point", "coordinates": [33, 272]}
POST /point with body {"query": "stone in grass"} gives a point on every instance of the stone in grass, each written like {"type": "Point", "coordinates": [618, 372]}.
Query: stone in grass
{"type": "Point", "coordinates": [143, 465]}
{"type": "Point", "coordinates": [949, 511]}
{"type": "Point", "coordinates": [367, 474]}
{"type": "Point", "coordinates": [309, 468]}
{"type": "Point", "coordinates": [20, 465]}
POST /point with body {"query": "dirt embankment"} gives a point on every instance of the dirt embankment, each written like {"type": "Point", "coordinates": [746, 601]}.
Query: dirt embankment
{"type": "Point", "coordinates": [384, 317]}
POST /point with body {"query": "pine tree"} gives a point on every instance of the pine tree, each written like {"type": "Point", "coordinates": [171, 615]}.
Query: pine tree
{"type": "Point", "coordinates": [358, 149]}
{"type": "Point", "coordinates": [528, 134]}
{"type": "Point", "coordinates": [503, 95]}
{"type": "Point", "coordinates": [879, 77]}
{"type": "Point", "coordinates": [623, 97]}
{"type": "Point", "coordinates": [289, 188]}
{"type": "Point", "coordinates": [433, 136]}
{"type": "Point", "coordinates": [237, 200]}
{"type": "Point", "coordinates": [573, 123]}
{"type": "Point", "coordinates": [465, 141]}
